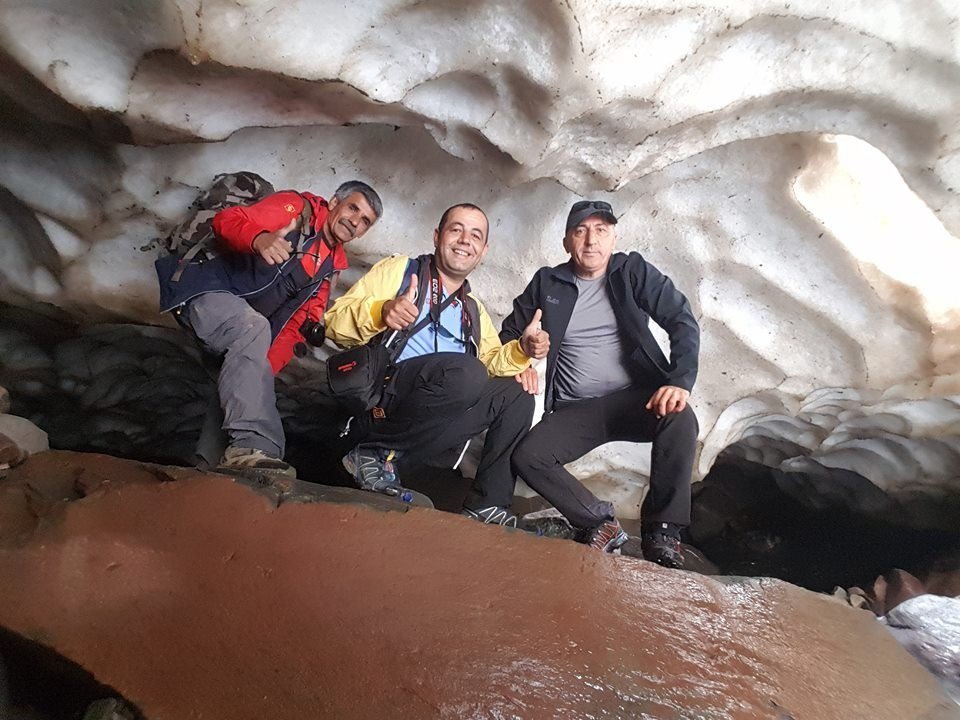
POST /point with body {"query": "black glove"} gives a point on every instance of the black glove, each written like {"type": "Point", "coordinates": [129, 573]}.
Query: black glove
{"type": "Point", "coordinates": [313, 332]}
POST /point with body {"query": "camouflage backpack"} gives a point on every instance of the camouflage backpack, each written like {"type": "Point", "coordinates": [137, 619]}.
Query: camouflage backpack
{"type": "Point", "coordinates": [193, 238]}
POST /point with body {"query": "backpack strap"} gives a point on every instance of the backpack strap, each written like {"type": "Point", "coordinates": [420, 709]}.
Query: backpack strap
{"type": "Point", "coordinates": [399, 338]}
{"type": "Point", "coordinates": [306, 219]}
{"type": "Point", "coordinates": [426, 287]}
{"type": "Point", "coordinates": [185, 260]}
{"type": "Point", "coordinates": [471, 313]}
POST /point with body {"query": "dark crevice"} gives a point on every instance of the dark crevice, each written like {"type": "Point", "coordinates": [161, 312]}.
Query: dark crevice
{"type": "Point", "coordinates": [819, 533]}
{"type": "Point", "coordinates": [37, 682]}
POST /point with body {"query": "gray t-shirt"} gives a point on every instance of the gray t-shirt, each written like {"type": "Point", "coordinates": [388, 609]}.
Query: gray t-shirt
{"type": "Point", "coordinates": [591, 361]}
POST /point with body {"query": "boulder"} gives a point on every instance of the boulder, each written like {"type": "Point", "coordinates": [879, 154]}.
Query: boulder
{"type": "Point", "coordinates": [281, 604]}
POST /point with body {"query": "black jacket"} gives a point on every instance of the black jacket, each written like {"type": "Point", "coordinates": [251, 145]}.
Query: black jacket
{"type": "Point", "coordinates": [638, 292]}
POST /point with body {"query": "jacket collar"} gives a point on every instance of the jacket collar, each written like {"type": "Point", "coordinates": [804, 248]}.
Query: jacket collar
{"type": "Point", "coordinates": [320, 212]}
{"type": "Point", "coordinates": [340, 261]}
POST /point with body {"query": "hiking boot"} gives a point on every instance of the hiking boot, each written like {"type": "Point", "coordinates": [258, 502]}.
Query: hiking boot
{"type": "Point", "coordinates": [661, 544]}
{"type": "Point", "coordinates": [493, 515]}
{"type": "Point", "coordinates": [374, 470]}
{"type": "Point", "coordinates": [606, 537]}
{"type": "Point", "coordinates": [236, 458]}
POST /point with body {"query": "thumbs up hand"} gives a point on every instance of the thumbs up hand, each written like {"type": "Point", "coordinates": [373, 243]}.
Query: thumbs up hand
{"type": "Point", "coordinates": [273, 246]}
{"type": "Point", "coordinates": [401, 312]}
{"type": "Point", "coordinates": [535, 342]}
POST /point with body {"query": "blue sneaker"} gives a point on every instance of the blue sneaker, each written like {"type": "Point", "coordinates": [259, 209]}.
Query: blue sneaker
{"type": "Point", "coordinates": [374, 469]}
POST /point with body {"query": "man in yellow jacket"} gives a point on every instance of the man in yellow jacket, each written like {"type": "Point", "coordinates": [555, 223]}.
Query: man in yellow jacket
{"type": "Point", "coordinates": [453, 377]}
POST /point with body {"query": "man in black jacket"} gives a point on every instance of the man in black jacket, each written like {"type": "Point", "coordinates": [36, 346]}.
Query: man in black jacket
{"type": "Point", "coordinates": [607, 380]}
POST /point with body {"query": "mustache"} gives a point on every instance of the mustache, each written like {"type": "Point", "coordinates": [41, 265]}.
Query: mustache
{"type": "Point", "coordinates": [349, 227]}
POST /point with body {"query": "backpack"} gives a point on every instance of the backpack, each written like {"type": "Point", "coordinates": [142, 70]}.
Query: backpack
{"type": "Point", "coordinates": [193, 239]}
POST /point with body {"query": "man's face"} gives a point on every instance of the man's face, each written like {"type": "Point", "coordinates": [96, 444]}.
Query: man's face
{"type": "Point", "coordinates": [590, 245]}
{"type": "Point", "coordinates": [348, 219]}
{"type": "Point", "coordinates": [461, 243]}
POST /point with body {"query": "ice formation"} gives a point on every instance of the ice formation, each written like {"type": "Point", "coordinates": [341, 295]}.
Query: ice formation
{"type": "Point", "coordinates": [794, 167]}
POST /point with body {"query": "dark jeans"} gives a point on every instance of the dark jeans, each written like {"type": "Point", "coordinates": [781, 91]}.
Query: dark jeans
{"type": "Point", "coordinates": [577, 427]}
{"type": "Point", "coordinates": [438, 402]}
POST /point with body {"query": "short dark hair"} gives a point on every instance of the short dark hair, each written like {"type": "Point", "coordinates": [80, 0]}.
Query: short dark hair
{"type": "Point", "coordinates": [468, 206]}
{"type": "Point", "coordinates": [356, 186]}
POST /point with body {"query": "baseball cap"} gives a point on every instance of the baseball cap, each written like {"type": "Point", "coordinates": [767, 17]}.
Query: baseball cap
{"type": "Point", "coordinates": [583, 209]}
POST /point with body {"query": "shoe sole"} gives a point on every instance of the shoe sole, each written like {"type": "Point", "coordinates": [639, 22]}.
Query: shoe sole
{"type": "Point", "coordinates": [253, 472]}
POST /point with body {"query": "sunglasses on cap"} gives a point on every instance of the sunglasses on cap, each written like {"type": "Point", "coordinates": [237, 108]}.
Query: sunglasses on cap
{"type": "Point", "coordinates": [592, 205]}
{"type": "Point", "coordinates": [583, 209]}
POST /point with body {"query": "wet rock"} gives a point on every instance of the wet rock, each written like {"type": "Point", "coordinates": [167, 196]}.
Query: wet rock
{"type": "Point", "coordinates": [10, 453]}
{"type": "Point", "coordinates": [320, 609]}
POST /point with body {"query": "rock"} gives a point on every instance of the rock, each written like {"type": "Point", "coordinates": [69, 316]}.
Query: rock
{"type": "Point", "coordinates": [24, 434]}
{"type": "Point", "coordinates": [109, 709]}
{"type": "Point", "coordinates": [899, 586]}
{"type": "Point", "coordinates": [4, 400]}
{"type": "Point", "coordinates": [10, 453]}
{"type": "Point", "coordinates": [377, 619]}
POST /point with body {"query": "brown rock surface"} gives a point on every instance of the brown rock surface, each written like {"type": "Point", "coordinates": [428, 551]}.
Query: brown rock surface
{"type": "Point", "coordinates": [199, 598]}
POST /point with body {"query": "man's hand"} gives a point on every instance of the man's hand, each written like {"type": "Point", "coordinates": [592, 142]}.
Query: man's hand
{"type": "Point", "coordinates": [273, 246]}
{"type": "Point", "coordinates": [529, 379]}
{"type": "Point", "coordinates": [401, 312]}
{"type": "Point", "coordinates": [668, 399]}
{"type": "Point", "coordinates": [534, 341]}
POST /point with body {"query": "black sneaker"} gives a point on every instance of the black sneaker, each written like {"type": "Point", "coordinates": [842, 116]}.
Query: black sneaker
{"type": "Point", "coordinates": [661, 544]}
{"type": "Point", "coordinates": [493, 515]}
{"type": "Point", "coordinates": [374, 469]}
{"type": "Point", "coordinates": [606, 537]}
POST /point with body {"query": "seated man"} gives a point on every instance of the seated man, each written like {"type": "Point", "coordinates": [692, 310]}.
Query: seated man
{"type": "Point", "coordinates": [257, 299]}
{"type": "Point", "coordinates": [607, 379]}
{"type": "Point", "coordinates": [452, 378]}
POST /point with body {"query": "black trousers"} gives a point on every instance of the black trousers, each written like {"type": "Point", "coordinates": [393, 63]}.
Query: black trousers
{"type": "Point", "coordinates": [575, 428]}
{"type": "Point", "coordinates": [439, 401]}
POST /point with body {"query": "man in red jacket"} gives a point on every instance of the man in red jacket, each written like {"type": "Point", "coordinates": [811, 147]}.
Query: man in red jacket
{"type": "Point", "coordinates": [265, 293]}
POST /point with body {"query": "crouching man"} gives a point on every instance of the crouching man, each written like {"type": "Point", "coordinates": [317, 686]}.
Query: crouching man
{"type": "Point", "coordinates": [607, 379]}
{"type": "Point", "coordinates": [263, 294]}
{"type": "Point", "coordinates": [453, 378]}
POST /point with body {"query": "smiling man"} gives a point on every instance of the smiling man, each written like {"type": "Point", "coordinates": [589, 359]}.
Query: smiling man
{"type": "Point", "coordinates": [453, 377]}
{"type": "Point", "coordinates": [607, 379]}
{"type": "Point", "coordinates": [262, 295]}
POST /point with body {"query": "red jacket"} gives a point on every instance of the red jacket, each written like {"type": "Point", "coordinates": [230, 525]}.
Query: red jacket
{"type": "Point", "coordinates": [236, 227]}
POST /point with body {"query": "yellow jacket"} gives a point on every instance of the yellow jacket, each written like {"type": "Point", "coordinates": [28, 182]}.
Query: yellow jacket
{"type": "Point", "coordinates": [357, 316]}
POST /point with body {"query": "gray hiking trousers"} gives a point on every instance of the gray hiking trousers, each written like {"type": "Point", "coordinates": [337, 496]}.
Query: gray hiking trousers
{"type": "Point", "coordinates": [228, 327]}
